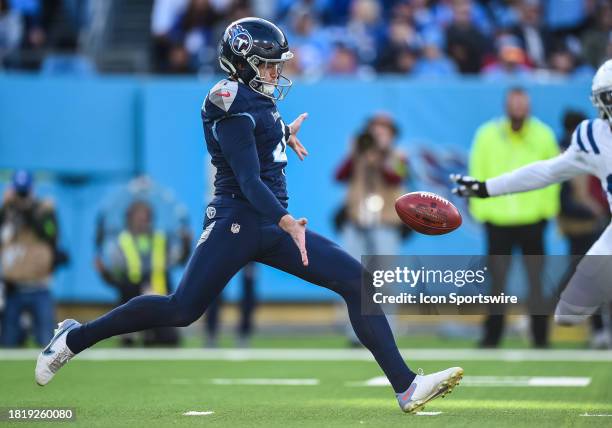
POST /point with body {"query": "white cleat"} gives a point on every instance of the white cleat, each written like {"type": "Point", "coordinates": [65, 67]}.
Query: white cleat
{"type": "Point", "coordinates": [55, 355]}
{"type": "Point", "coordinates": [425, 388]}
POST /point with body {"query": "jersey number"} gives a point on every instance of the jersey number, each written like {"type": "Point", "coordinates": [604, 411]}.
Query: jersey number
{"type": "Point", "coordinates": [280, 152]}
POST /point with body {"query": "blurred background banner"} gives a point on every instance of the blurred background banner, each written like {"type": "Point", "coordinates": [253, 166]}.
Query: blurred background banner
{"type": "Point", "coordinates": [89, 136]}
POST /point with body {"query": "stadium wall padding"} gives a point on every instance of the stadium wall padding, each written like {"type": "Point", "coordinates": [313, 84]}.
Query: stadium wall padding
{"type": "Point", "coordinates": [88, 135]}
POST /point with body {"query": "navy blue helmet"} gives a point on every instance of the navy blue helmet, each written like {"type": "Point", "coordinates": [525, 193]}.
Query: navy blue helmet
{"type": "Point", "coordinates": [250, 43]}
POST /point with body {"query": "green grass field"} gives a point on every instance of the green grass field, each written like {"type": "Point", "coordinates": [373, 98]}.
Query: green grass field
{"type": "Point", "coordinates": [157, 393]}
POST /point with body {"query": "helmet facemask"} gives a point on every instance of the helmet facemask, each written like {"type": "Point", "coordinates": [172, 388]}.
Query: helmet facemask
{"type": "Point", "coordinates": [602, 100]}
{"type": "Point", "coordinates": [277, 90]}
{"type": "Point", "coordinates": [253, 44]}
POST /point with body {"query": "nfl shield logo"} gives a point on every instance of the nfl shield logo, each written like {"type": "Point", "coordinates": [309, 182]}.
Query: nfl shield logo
{"type": "Point", "coordinates": [211, 212]}
{"type": "Point", "coordinates": [235, 228]}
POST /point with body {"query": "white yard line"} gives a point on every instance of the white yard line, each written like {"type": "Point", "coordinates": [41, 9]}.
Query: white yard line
{"type": "Point", "coordinates": [428, 413]}
{"type": "Point", "coordinates": [501, 381]}
{"type": "Point", "coordinates": [279, 382]}
{"type": "Point", "coordinates": [237, 381]}
{"type": "Point", "coordinates": [322, 355]}
{"type": "Point", "coordinates": [597, 416]}
{"type": "Point", "coordinates": [196, 413]}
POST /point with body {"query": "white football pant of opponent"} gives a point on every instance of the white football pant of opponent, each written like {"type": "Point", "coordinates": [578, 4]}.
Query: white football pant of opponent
{"type": "Point", "coordinates": [590, 152]}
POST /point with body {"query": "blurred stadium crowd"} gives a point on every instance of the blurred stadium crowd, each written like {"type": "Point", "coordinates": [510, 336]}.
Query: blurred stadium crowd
{"type": "Point", "coordinates": [433, 38]}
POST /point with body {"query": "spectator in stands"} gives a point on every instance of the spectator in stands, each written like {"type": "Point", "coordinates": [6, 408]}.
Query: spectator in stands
{"type": "Point", "coordinates": [564, 63]}
{"type": "Point", "coordinates": [65, 59]}
{"type": "Point", "coordinates": [40, 17]}
{"type": "Point", "coordinates": [184, 33]}
{"type": "Point", "coordinates": [596, 39]}
{"type": "Point", "coordinates": [565, 16]}
{"type": "Point", "coordinates": [400, 49]}
{"type": "Point", "coordinates": [10, 30]}
{"type": "Point", "coordinates": [445, 12]}
{"type": "Point", "coordinates": [336, 12]}
{"type": "Point", "coordinates": [363, 30]}
{"type": "Point", "coordinates": [505, 13]}
{"type": "Point", "coordinates": [433, 61]}
{"type": "Point", "coordinates": [420, 14]}
{"type": "Point", "coordinates": [163, 17]}
{"type": "Point", "coordinates": [140, 262]}
{"type": "Point", "coordinates": [403, 61]}
{"type": "Point", "coordinates": [403, 10]}
{"type": "Point", "coordinates": [310, 44]}
{"type": "Point", "coordinates": [343, 61]}
{"type": "Point", "coordinates": [79, 12]}
{"type": "Point", "coordinates": [179, 60]}
{"type": "Point", "coordinates": [193, 38]}
{"type": "Point", "coordinates": [465, 43]}
{"type": "Point", "coordinates": [534, 39]}
{"type": "Point", "coordinates": [233, 10]}
{"type": "Point", "coordinates": [34, 35]}
{"type": "Point", "coordinates": [28, 251]}
{"type": "Point", "coordinates": [510, 62]}
{"type": "Point", "coordinates": [164, 14]}
{"type": "Point", "coordinates": [45, 24]}
{"type": "Point", "coordinates": [285, 9]}
{"type": "Point", "coordinates": [501, 145]}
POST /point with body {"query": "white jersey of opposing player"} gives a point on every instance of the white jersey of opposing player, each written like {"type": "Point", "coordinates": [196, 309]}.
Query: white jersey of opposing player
{"type": "Point", "coordinates": [590, 152]}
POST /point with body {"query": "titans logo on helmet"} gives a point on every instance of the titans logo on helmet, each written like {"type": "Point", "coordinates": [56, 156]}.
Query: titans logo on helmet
{"type": "Point", "coordinates": [241, 41]}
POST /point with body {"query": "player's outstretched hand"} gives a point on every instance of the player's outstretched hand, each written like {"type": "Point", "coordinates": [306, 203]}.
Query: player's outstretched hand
{"type": "Point", "coordinates": [297, 230]}
{"type": "Point", "coordinates": [468, 187]}
{"type": "Point", "coordinates": [294, 142]}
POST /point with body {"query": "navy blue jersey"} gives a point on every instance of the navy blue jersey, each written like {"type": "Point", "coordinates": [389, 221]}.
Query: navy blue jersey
{"type": "Point", "coordinates": [239, 122]}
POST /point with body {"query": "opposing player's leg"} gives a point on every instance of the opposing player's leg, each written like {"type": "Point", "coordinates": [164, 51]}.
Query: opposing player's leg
{"type": "Point", "coordinates": [331, 267]}
{"type": "Point", "coordinates": [590, 285]}
{"type": "Point", "coordinates": [586, 291]}
{"type": "Point", "coordinates": [220, 253]}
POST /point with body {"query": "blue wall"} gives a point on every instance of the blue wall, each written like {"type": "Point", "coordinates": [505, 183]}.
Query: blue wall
{"type": "Point", "coordinates": [107, 128]}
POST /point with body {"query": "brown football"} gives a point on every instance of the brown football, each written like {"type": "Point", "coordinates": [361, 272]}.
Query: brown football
{"type": "Point", "coordinates": [428, 213]}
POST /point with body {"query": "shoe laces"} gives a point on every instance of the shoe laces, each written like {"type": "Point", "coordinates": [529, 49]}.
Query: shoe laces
{"type": "Point", "coordinates": [60, 359]}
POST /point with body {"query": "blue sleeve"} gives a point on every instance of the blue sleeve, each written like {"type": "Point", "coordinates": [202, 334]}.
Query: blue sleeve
{"type": "Point", "coordinates": [237, 142]}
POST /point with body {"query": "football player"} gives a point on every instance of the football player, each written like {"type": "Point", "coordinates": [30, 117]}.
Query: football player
{"type": "Point", "coordinates": [248, 221]}
{"type": "Point", "coordinates": [590, 152]}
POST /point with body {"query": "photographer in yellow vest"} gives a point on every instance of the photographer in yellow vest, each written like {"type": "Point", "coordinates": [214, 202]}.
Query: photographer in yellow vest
{"type": "Point", "coordinates": [139, 263]}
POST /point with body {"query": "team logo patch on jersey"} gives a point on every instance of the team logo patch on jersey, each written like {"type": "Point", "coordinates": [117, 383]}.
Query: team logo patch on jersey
{"type": "Point", "coordinates": [235, 228]}
{"type": "Point", "coordinates": [241, 41]}
{"type": "Point", "coordinates": [211, 212]}
{"type": "Point", "coordinates": [206, 233]}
